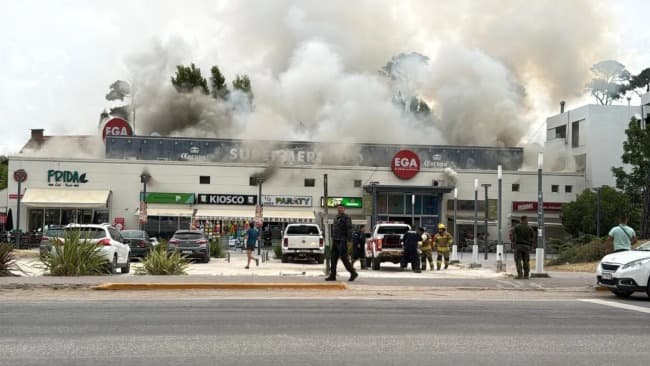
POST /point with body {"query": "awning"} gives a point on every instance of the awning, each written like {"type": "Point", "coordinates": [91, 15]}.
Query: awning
{"type": "Point", "coordinates": [66, 198]}
{"type": "Point", "coordinates": [288, 215]}
{"type": "Point", "coordinates": [226, 213]}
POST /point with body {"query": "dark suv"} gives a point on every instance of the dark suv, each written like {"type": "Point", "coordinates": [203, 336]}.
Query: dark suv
{"type": "Point", "coordinates": [138, 241]}
{"type": "Point", "coordinates": [190, 244]}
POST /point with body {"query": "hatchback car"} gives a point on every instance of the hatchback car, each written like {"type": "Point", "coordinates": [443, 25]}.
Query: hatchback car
{"type": "Point", "coordinates": [190, 244]}
{"type": "Point", "coordinates": [626, 272]}
{"type": "Point", "coordinates": [50, 234]}
{"type": "Point", "coordinates": [139, 242]}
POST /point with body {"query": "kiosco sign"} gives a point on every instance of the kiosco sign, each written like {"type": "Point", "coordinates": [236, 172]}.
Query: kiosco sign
{"type": "Point", "coordinates": [227, 199]}
{"type": "Point", "coordinates": [116, 127]}
{"type": "Point", "coordinates": [405, 164]}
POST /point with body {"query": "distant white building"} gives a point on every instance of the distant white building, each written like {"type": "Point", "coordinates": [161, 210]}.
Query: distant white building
{"type": "Point", "coordinates": [590, 139]}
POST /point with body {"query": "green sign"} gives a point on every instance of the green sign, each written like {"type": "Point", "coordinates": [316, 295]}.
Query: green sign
{"type": "Point", "coordinates": [164, 197]}
{"type": "Point", "coordinates": [65, 178]}
{"type": "Point", "coordinates": [347, 202]}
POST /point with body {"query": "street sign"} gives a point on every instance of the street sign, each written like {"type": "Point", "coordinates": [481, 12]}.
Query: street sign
{"type": "Point", "coordinates": [259, 215]}
{"type": "Point", "coordinates": [20, 175]}
{"type": "Point", "coordinates": [13, 196]}
{"type": "Point", "coordinates": [118, 222]}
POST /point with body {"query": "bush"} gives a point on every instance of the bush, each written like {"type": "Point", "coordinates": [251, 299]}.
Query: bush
{"type": "Point", "coordinates": [580, 253]}
{"type": "Point", "coordinates": [75, 257]}
{"type": "Point", "coordinates": [277, 251]}
{"type": "Point", "coordinates": [7, 263]}
{"type": "Point", "coordinates": [216, 251]}
{"type": "Point", "coordinates": [158, 262]}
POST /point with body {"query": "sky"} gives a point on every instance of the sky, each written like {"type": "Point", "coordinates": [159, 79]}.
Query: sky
{"type": "Point", "coordinates": [57, 59]}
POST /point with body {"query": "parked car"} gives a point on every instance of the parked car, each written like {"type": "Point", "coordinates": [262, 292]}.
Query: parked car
{"type": "Point", "coordinates": [385, 244]}
{"type": "Point", "coordinates": [50, 234]}
{"type": "Point", "coordinates": [303, 241]}
{"type": "Point", "coordinates": [626, 272]}
{"type": "Point", "coordinates": [138, 241]}
{"type": "Point", "coordinates": [190, 244]}
{"type": "Point", "coordinates": [114, 247]}
{"type": "Point", "coordinates": [154, 241]}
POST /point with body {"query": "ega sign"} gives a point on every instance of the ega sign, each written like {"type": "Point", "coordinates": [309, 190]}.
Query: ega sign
{"type": "Point", "coordinates": [405, 164]}
{"type": "Point", "coordinates": [65, 178]}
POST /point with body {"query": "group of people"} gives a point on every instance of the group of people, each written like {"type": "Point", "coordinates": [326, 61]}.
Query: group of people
{"type": "Point", "coordinates": [419, 247]}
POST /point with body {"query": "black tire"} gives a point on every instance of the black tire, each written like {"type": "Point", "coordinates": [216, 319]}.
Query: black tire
{"type": "Point", "coordinates": [127, 267]}
{"type": "Point", "coordinates": [376, 264]}
{"type": "Point", "coordinates": [622, 294]}
{"type": "Point", "coordinates": [285, 259]}
{"type": "Point", "coordinates": [647, 291]}
{"type": "Point", "coordinates": [206, 259]}
{"type": "Point", "coordinates": [113, 265]}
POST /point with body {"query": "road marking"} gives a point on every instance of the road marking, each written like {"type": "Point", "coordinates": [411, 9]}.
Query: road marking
{"type": "Point", "coordinates": [617, 305]}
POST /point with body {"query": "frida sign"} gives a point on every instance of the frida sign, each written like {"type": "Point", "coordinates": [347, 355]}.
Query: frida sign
{"type": "Point", "coordinates": [65, 178]}
{"type": "Point", "coordinates": [405, 164]}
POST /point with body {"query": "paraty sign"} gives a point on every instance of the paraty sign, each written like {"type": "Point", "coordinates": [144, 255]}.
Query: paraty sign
{"type": "Point", "coordinates": [226, 199]}
{"type": "Point", "coordinates": [405, 164]}
{"type": "Point", "coordinates": [65, 178]}
{"type": "Point", "coordinates": [116, 127]}
{"type": "Point", "coordinates": [287, 201]}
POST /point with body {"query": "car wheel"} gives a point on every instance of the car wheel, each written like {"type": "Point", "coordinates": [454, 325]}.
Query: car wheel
{"type": "Point", "coordinates": [647, 291]}
{"type": "Point", "coordinates": [126, 268]}
{"type": "Point", "coordinates": [206, 259]}
{"type": "Point", "coordinates": [113, 265]}
{"type": "Point", "coordinates": [622, 294]}
{"type": "Point", "coordinates": [376, 264]}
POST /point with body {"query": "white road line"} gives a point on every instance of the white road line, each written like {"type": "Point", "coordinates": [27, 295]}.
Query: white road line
{"type": "Point", "coordinates": [617, 305]}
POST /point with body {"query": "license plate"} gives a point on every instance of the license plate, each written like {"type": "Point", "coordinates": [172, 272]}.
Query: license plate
{"type": "Point", "coordinates": [607, 276]}
{"type": "Point", "coordinates": [187, 252]}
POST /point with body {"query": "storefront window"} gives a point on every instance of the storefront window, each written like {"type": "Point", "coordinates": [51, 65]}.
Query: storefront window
{"type": "Point", "coordinates": [52, 216]}
{"type": "Point", "coordinates": [100, 217]}
{"type": "Point", "coordinates": [382, 202]}
{"type": "Point", "coordinates": [85, 216]}
{"type": "Point", "coordinates": [68, 216]}
{"type": "Point", "coordinates": [396, 204]}
{"type": "Point", "coordinates": [35, 219]}
{"type": "Point", "coordinates": [184, 223]}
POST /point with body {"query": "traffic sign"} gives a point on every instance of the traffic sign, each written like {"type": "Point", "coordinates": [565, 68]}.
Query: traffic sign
{"type": "Point", "coordinates": [20, 175]}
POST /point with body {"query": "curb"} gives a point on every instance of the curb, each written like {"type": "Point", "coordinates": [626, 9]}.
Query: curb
{"type": "Point", "coordinates": [599, 288]}
{"type": "Point", "coordinates": [220, 286]}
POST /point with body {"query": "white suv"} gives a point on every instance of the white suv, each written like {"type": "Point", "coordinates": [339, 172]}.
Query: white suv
{"type": "Point", "coordinates": [114, 247]}
{"type": "Point", "coordinates": [626, 272]}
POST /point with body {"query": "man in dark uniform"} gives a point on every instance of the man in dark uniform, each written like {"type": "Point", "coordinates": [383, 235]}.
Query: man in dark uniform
{"type": "Point", "coordinates": [410, 240]}
{"type": "Point", "coordinates": [523, 237]}
{"type": "Point", "coordinates": [359, 246]}
{"type": "Point", "coordinates": [341, 236]}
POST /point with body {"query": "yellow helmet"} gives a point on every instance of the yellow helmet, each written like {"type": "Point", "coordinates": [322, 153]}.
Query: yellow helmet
{"type": "Point", "coordinates": [441, 226]}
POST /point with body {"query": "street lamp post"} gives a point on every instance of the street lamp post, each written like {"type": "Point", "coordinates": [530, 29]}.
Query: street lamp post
{"type": "Point", "coordinates": [454, 247]}
{"type": "Point", "coordinates": [475, 263]}
{"type": "Point", "coordinates": [485, 234]}
{"type": "Point", "coordinates": [144, 179]}
{"type": "Point", "coordinates": [539, 253]}
{"type": "Point", "coordinates": [500, 266]}
{"type": "Point", "coordinates": [598, 212]}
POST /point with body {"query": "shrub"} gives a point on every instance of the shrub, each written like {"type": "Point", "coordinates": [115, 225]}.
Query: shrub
{"type": "Point", "coordinates": [277, 251]}
{"type": "Point", "coordinates": [580, 253]}
{"type": "Point", "coordinates": [7, 263]}
{"type": "Point", "coordinates": [158, 262]}
{"type": "Point", "coordinates": [75, 257]}
{"type": "Point", "coordinates": [216, 251]}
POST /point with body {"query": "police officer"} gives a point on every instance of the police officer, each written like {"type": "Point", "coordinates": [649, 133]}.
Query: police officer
{"type": "Point", "coordinates": [341, 236]}
{"type": "Point", "coordinates": [523, 237]}
{"type": "Point", "coordinates": [359, 246]}
{"type": "Point", "coordinates": [442, 241]}
{"type": "Point", "coordinates": [426, 248]}
{"type": "Point", "coordinates": [410, 240]}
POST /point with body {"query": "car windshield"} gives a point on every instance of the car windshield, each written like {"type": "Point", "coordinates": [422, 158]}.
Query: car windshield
{"type": "Point", "coordinates": [188, 236]}
{"type": "Point", "coordinates": [87, 232]}
{"type": "Point", "coordinates": [393, 229]}
{"type": "Point", "coordinates": [54, 232]}
{"type": "Point", "coordinates": [644, 247]}
{"type": "Point", "coordinates": [302, 230]}
{"type": "Point", "coordinates": [132, 234]}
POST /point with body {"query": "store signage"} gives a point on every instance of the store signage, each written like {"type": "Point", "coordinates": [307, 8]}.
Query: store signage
{"type": "Point", "coordinates": [116, 127]}
{"type": "Point", "coordinates": [348, 202]}
{"type": "Point", "coordinates": [227, 199]}
{"type": "Point", "coordinates": [287, 201]}
{"type": "Point", "coordinates": [118, 222]}
{"type": "Point", "coordinates": [164, 197]}
{"type": "Point", "coordinates": [20, 175]}
{"type": "Point", "coordinates": [405, 164]}
{"type": "Point", "coordinates": [532, 206]}
{"type": "Point", "coordinates": [65, 178]}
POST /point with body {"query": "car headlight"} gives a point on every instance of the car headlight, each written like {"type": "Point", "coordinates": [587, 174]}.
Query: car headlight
{"type": "Point", "coordinates": [636, 263]}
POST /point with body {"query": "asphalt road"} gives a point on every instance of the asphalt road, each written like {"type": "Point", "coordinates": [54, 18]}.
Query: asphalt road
{"type": "Point", "coordinates": [324, 332]}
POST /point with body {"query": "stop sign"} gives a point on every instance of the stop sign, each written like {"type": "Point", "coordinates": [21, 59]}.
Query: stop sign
{"type": "Point", "coordinates": [405, 164]}
{"type": "Point", "coordinates": [116, 127]}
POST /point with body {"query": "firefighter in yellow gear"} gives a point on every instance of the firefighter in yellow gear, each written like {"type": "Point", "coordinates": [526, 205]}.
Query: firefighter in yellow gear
{"type": "Point", "coordinates": [443, 242]}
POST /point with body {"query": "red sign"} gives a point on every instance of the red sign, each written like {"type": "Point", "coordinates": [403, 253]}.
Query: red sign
{"type": "Point", "coordinates": [13, 196]}
{"type": "Point", "coordinates": [118, 222]}
{"type": "Point", "coordinates": [532, 206]}
{"type": "Point", "coordinates": [143, 212]}
{"type": "Point", "coordinates": [20, 175]}
{"type": "Point", "coordinates": [405, 164]}
{"type": "Point", "coordinates": [116, 127]}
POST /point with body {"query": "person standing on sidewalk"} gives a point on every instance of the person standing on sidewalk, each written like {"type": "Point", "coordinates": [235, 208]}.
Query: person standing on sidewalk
{"type": "Point", "coordinates": [341, 236]}
{"type": "Point", "coordinates": [621, 236]}
{"type": "Point", "coordinates": [427, 249]}
{"type": "Point", "coordinates": [442, 241]}
{"type": "Point", "coordinates": [410, 254]}
{"type": "Point", "coordinates": [359, 246]}
{"type": "Point", "coordinates": [251, 236]}
{"type": "Point", "coordinates": [523, 236]}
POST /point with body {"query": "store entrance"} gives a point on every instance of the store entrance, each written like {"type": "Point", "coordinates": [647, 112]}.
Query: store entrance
{"type": "Point", "coordinates": [428, 222]}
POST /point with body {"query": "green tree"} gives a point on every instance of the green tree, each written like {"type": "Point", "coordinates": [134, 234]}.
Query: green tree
{"type": "Point", "coordinates": [639, 82]}
{"type": "Point", "coordinates": [579, 216]}
{"type": "Point", "coordinates": [187, 79]}
{"type": "Point", "coordinates": [243, 84]}
{"type": "Point", "coordinates": [610, 78]}
{"type": "Point", "coordinates": [4, 169]}
{"type": "Point", "coordinates": [634, 179]}
{"type": "Point", "coordinates": [219, 89]}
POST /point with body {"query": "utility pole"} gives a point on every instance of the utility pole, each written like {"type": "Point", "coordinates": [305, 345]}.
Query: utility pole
{"type": "Point", "coordinates": [475, 263]}
{"type": "Point", "coordinates": [539, 253]}
{"type": "Point", "coordinates": [454, 247]}
{"type": "Point", "coordinates": [326, 227]}
{"type": "Point", "coordinates": [485, 234]}
{"type": "Point", "coordinates": [500, 264]}
{"type": "Point", "coordinates": [598, 212]}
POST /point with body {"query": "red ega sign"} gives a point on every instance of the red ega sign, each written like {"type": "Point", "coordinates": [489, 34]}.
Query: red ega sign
{"type": "Point", "coordinates": [405, 164]}
{"type": "Point", "coordinates": [116, 127]}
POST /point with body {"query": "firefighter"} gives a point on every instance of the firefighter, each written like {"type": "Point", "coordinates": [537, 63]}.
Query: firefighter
{"type": "Point", "coordinates": [442, 241]}
{"type": "Point", "coordinates": [411, 239]}
{"type": "Point", "coordinates": [426, 247]}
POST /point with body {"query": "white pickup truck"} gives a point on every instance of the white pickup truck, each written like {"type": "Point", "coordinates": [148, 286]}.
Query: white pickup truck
{"type": "Point", "coordinates": [385, 244]}
{"type": "Point", "coordinates": [303, 241]}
